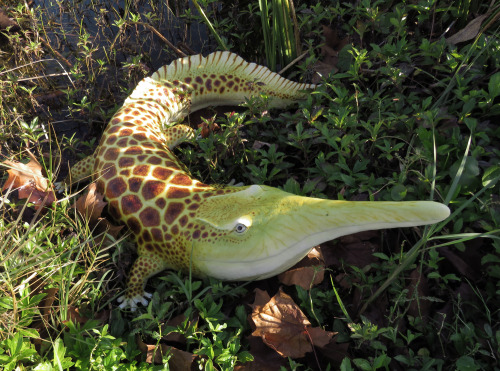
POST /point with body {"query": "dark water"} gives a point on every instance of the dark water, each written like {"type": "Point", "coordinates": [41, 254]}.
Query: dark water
{"type": "Point", "coordinates": [88, 31]}
{"type": "Point", "coordinates": [99, 19]}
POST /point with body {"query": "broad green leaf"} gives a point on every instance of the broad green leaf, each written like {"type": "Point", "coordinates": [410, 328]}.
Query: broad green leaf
{"type": "Point", "coordinates": [466, 363]}
{"type": "Point", "coordinates": [490, 258]}
{"type": "Point", "coordinates": [346, 365]}
{"type": "Point", "coordinates": [363, 364]}
{"type": "Point", "coordinates": [494, 85]}
{"type": "Point", "coordinates": [491, 176]}
{"type": "Point", "coordinates": [398, 192]}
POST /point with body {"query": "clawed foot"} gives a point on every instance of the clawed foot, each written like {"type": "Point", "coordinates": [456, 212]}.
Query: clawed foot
{"type": "Point", "coordinates": [133, 301]}
{"type": "Point", "coordinates": [232, 183]}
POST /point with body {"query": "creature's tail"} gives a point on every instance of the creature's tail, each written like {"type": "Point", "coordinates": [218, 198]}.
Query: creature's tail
{"type": "Point", "coordinates": [224, 78]}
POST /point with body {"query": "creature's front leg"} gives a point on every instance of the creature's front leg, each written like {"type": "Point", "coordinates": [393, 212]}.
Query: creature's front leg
{"type": "Point", "coordinates": [144, 267]}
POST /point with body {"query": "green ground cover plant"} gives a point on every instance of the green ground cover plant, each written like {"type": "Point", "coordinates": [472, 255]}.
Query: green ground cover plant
{"type": "Point", "coordinates": [408, 109]}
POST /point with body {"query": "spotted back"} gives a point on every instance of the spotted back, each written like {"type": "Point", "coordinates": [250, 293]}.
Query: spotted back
{"type": "Point", "coordinates": [226, 78]}
{"type": "Point", "coordinates": [145, 184]}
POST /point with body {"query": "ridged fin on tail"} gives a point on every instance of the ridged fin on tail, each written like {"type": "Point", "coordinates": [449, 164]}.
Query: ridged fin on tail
{"type": "Point", "coordinates": [226, 78]}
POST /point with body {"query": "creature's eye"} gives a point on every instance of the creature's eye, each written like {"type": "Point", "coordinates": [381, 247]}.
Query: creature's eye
{"type": "Point", "coordinates": [240, 228]}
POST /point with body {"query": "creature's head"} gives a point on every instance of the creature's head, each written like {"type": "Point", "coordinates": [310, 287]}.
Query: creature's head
{"type": "Point", "coordinates": [261, 231]}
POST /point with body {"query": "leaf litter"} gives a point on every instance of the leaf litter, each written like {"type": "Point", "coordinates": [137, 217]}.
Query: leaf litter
{"type": "Point", "coordinates": [279, 323]}
{"type": "Point", "coordinates": [91, 205]}
{"type": "Point", "coordinates": [284, 327]}
{"type": "Point", "coordinates": [30, 182]}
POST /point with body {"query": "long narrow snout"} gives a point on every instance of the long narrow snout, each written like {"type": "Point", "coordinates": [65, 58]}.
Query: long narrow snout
{"type": "Point", "coordinates": [285, 227]}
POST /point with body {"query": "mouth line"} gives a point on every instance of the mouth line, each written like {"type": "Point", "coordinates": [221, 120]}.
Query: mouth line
{"type": "Point", "coordinates": [268, 257]}
{"type": "Point", "coordinates": [314, 239]}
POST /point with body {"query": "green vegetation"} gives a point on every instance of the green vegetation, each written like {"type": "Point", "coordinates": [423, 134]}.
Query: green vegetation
{"type": "Point", "coordinates": [409, 114]}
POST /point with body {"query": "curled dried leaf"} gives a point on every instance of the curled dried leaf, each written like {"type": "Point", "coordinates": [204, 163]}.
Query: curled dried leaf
{"type": "Point", "coordinates": [468, 32]}
{"type": "Point", "coordinates": [309, 272]}
{"type": "Point", "coordinates": [30, 183]}
{"type": "Point", "coordinates": [91, 204]}
{"type": "Point", "coordinates": [284, 327]}
{"type": "Point", "coordinates": [179, 360]}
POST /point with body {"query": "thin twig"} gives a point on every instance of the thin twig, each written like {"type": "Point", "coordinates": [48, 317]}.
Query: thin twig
{"type": "Point", "coordinates": [41, 77]}
{"type": "Point", "coordinates": [177, 51]}
{"type": "Point", "coordinates": [293, 62]}
{"type": "Point", "coordinates": [55, 52]}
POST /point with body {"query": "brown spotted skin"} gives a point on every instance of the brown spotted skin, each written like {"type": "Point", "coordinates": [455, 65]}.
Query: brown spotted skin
{"type": "Point", "coordinates": [148, 189]}
{"type": "Point", "coordinates": [144, 183]}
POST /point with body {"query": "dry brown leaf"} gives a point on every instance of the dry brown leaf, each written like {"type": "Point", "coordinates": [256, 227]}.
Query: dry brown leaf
{"type": "Point", "coordinates": [331, 36]}
{"type": "Point", "coordinates": [264, 358]}
{"type": "Point", "coordinates": [464, 265]}
{"type": "Point", "coordinates": [322, 70]}
{"type": "Point", "coordinates": [46, 310]}
{"type": "Point", "coordinates": [335, 352]}
{"type": "Point", "coordinates": [207, 128]}
{"type": "Point", "coordinates": [309, 272]}
{"type": "Point", "coordinates": [356, 249]}
{"type": "Point", "coordinates": [103, 225]}
{"type": "Point", "coordinates": [103, 230]}
{"type": "Point", "coordinates": [284, 327]}
{"type": "Point", "coordinates": [91, 204]}
{"type": "Point", "coordinates": [329, 51]}
{"type": "Point", "coordinates": [330, 57]}
{"type": "Point", "coordinates": [22, 174]}
{"type": "Point", "coordinates": [179, 359]}
{"type": "Point", "coordinates": [261, 299]}
{"type": "Point", "coordinates": [258, 144]}
{"type": "Point", "coordinates": [281, 325]}
{"type": "Point", "coordinates": [320, 337]}
{"type": "Point", "coordinates": [469, 32]}
{"type": "Point", "coordinates": [29, 182]}
{"type": "Point", "coordinates": [46, 303]}
{"type": "Point", "coordinates": [332, 39]}
{"type": "Point", "coordinates": [6, 22]}
{"type": "Point", "coordinates": [75, 316]}
{"type": "Point", "coordinates": [177, 337]}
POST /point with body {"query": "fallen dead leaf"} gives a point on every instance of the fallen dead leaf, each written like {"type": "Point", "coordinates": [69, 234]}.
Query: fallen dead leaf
{"type": "Point", "coordinates": [45, 307]}
{"type": "Point", "coordinates": [6, 22]}
{"type": "Point", "coordinates": [75, 316]}
{"type": "Point", "coordinates": [103, 230]}
{"type": "Point", "coordinates": [174, 336]}
{"type": "Point", "coordinates": [309, 272]}
{"type": "Point", "coordinates": [29, 181]}
{"type": "Point", "coordinates": [179, 359]}
{"type": "Point", "coordinates": [464, 265]}
{"type": "Point", "coordinates": [319, 337]}
{"type": "Point", "coordinates": [264, 358]}
{"type": "Point", "coordinates": [258, 144]}
{"type": "Point", "coordinates": [329, 52]}
{"type": "Point", "coordinates": [356, 249]}
{"type": "Point", "coordinates": [281, 325]}
{"type": "Point", "coordinates": [335, 352]}
{"type": "Point", "coordinates": [207, 128]}
{"type": "Point", "coordinates": [469, 32]}
{"type": "Point", "coordinates": [91, 204]}
{"type": "Point", "coordinates": [322, 70]}
{"type": "Point", "coordinates": [284, 327]}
